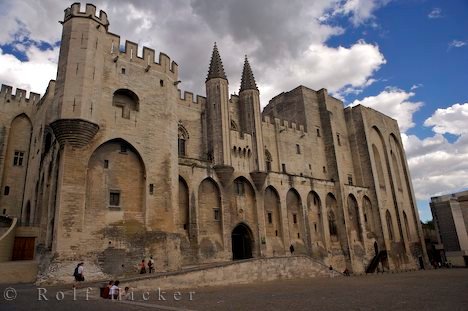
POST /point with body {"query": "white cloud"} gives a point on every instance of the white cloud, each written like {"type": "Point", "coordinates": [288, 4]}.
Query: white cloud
{"type": "Point", "coordinates": [333, 68]}
{"type": "Point", "coordinates": [38, 18]}
{"type": "Point", "coordinates": [416, 86]}
{"type": "Point", "coordinates": [435, 13]}
{"type": "Point", "coordinates": [394, 103]}
{"type": "Point", "coordinates": [437, 166]}
{"type": "Point", "coordinates": [360, 11]}
{"type": "Point", "coordinates": [452, 120]}
{"type": "Point", "coordinates": [286, 44]}
{"type": "Point", "coordinates": [33, 74]}
{"type": "Point", "coordinates": [457, 44]}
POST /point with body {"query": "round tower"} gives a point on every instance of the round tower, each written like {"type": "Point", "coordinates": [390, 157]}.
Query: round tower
{"type": "Point", "coordinates": [217, 118]}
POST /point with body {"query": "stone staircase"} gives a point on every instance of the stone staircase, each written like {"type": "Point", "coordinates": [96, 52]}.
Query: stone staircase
{"type": "Point", "coordinates": [233, 272]}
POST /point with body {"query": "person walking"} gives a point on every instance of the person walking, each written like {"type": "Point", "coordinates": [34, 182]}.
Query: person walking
{"type": "Point", "coordinates": [151, 265]}
{"type": "Point", "coordinates": [332, 273]}
{"type": "Point", "coordinates": [142, 267]}
{"type": "Point", "coordinates": [78, 274]}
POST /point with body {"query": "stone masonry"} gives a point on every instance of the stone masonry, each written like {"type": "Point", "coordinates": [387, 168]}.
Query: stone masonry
{"type": "Point", "coordinates": [113, 164]}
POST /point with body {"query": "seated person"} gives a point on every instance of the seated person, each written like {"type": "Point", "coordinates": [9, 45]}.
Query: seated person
{"type": "Point", "coordinates": [114, 291]}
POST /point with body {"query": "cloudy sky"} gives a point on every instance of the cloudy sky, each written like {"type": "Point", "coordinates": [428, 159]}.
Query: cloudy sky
{"type": "Point", "coordinates": [406, 58]}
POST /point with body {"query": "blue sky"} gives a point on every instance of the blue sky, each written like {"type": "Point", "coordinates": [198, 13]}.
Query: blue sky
{"type": "Point", "coordinates": [418, 52]}
{"type": "Point", "coordinates": [406, 58]}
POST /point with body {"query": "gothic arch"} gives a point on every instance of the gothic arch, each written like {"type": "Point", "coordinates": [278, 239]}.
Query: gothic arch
{"type": "Point", "coordinates": [353, 213]}
{"type": "Point", "coordinates": [182, 138]}
{"type": "Point", "coordinates": [380, 158]}
{"type": "Point", "coordinates": [15, 162]}
{"type": "Point", "coordinates": [396, 169]}
{"type": "Point", "coordinates": [242, 240]}
{"type": "Point", "coordinates": [184, 215]}
{"type": "Point", "coordinates": [295, 217]}
{"type": "Point", "coordinates": [314, 206]}
{"type": "Point", "coordinates": [406, 187]}
{"type": "Point", "coordinates": [378, 164]}
{"type": "Point", "coordinates": [210, 218]}
{"type": "Point", "coordinates": [243, 201]}
{"type": "Point", "coordinates": [273, 224]}
{"type": "Point", "coordinates": [115, 182]}
{"type": "Point", "coordinates": [182, 131]}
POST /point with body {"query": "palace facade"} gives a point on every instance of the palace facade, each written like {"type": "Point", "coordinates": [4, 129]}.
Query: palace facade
{"type": "Point", "coordinates": [113, 164]}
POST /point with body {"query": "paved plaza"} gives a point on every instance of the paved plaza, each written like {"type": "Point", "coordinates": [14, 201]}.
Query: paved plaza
{"type": "Point", "coordinates": [444, 289]}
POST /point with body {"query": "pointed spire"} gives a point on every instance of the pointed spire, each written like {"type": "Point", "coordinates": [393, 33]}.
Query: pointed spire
{"type": "Point", "coordinates": [216, 66]}
{"type": "Point", "coordinates": [248, 80]}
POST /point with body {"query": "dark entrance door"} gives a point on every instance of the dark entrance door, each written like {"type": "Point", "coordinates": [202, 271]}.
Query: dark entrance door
{"type": "Point", "coordinates": [241, 242]}
{"type": "Point", "coordinates": [23, 249]}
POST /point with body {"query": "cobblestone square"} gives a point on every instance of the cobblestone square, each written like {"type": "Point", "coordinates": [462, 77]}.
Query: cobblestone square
{"type": "Point", "coordinates": [443, 289]}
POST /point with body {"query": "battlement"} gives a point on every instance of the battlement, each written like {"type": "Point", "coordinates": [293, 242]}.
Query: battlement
{"type": "Point", "coordinates": [187, 99]}
{"type": "Point", "coordinates": [6, 92]}
{"type": "Point", "coordinates": [147, 60]}
{"type": "Point", "coordinates": [283, 124]}
{"type": "Point", "coordinates": [89, 12]}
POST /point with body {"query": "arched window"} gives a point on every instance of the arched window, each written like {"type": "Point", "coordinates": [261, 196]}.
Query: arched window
{"type": "Point", "coordinates": [353, 211]}
{"type": "Point", "coordinates": [268, 160]}
{"type": "Point", "coordinates": [239, 187]}
{"type": "Point", "coordinates": [388, 218]}
{"type": "Point", "coordinates": [182, 140]}
{"type": "Point", "coordinates": [127, 100]}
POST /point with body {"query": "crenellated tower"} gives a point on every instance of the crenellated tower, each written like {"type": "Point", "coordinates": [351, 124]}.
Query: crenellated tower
{"type": "Point", "coordinates": [80, 61]}
{"type": "Point", "coordinates": [217, 117]}
{"type": "Point", "coordinates": [251, 121]}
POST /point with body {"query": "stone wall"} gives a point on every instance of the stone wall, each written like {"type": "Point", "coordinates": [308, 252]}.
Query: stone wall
{"type": "Point", "coordinates": [14, 272]}
{"type": "Point", "coordinates": [241, 272]}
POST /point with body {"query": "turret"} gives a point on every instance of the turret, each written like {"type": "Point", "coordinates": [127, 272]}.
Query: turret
{"type": "Point", "coordinates": [217, 117]}
{"type": "Point", "coordinates": [251, 121]}
{"type": "Point", "coordinates": [80, 59]}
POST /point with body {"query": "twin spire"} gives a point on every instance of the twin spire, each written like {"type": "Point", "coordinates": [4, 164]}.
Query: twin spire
{"type": "Point", "coordinates": [217, 71]}
{"type": "Point", "coordinates": [248, 80]}
{"type": "Point", "coordinates": [216, 66]}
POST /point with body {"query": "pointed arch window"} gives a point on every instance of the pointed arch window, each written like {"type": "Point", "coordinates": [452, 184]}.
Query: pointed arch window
{"type": "Point", "coordinates": [182, 140]}
{"type": "Point", "coordinates": [268, 160]}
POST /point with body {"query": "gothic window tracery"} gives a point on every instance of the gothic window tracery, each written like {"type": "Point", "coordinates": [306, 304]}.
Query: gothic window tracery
{"type": "Point", "coordinates": [183, 136]}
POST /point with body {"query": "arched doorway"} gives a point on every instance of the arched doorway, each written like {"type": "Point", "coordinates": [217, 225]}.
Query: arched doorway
{"type": "Point", "coordinates": [241, 242]}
